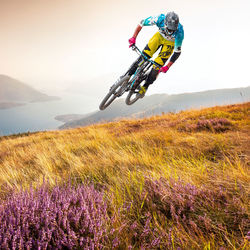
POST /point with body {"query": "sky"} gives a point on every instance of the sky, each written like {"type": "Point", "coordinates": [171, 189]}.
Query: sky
{"type": "Point", "coordinates": [79, 45]}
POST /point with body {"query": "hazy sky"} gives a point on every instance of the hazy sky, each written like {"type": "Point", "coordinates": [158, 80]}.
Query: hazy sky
{"type": "Point", "coordinates": [54, 44]}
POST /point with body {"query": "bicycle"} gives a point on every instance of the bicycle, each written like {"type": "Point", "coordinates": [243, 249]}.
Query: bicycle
{"type": "Point", "coordinates": [130, 84]}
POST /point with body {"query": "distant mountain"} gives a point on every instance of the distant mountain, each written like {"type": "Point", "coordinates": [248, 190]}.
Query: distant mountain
{"type": "Point", "coordinates": [14, 92]}
{"type": "Point", "coordinates": [156, 104]}
{"type": "Point", "coordinates": [72, 117]}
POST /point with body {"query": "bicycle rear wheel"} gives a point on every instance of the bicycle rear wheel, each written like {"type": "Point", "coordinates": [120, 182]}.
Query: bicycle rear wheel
{"type": "Point", "coordinates": [115, 91]}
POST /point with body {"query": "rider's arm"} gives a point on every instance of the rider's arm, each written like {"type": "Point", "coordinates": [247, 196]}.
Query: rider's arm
{"type": "Point", "coordinates": [137, 30]}
{"type": "Point", "coordinates": [152, 20]}
{"type": "Point", "coordinates": [178, 44]}
{"type": "Point", "coordinates": [173, 58]}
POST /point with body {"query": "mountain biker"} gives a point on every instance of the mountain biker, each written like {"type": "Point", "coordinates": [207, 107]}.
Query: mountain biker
{"type": "Point", "coordinates": [169, 38]}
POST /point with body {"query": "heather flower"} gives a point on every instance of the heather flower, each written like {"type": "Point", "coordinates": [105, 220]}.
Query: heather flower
{"type": "Point", "coordinates": [115, 242]}
{"type": "Point", "coordinates": [248, 235]}
{"type": "Point", "coordinates": [65, 217]}
{"type": "Point", "coordinates": [195, 209]}
{"type": "Point", "coordinates": [213, 125]}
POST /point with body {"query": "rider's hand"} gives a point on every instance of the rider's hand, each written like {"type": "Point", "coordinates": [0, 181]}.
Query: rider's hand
{"type": "Point", "coordinates": [131, 41]}
{"type": "Point", "coordinates": [164, 69]}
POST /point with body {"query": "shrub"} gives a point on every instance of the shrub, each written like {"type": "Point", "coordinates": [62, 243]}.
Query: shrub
{"type": "Point", "coordinates": [213, 125]}
{"type": "Point", "coordinates": [197, 210]}
{"type": "Point", "coordinates": [216, 124]}
{"type": "Point", "coordinates": [65, 217]}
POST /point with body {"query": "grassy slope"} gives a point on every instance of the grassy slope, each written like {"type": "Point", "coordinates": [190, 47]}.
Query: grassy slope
{"type": "Point", "coordinates": [207, 148]}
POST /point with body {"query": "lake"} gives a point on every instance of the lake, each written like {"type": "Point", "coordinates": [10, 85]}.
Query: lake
{"type": "Point", "coordinates": [40, 116]}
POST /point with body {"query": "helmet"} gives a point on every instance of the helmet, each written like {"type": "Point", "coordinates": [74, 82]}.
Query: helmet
{"type": "Point", "coordinates": [171, 22]}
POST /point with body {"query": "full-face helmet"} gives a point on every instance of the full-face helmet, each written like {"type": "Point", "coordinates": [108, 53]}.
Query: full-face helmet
{"type": "Point", "coordinates": [171, 22]}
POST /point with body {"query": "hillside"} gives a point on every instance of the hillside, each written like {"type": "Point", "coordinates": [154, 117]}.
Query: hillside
{"type": "Point", "coordinates": [156, 104]}
{"type": "Point", "coordinates": [172, 181]}
{"type": "Point", "coordinates": [14, 92]}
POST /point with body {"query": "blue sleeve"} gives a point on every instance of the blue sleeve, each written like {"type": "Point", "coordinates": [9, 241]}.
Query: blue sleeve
{"type": "Point", "coordinates": [153, 20]}
{"type": "Point", "coordinates": [161, 21]}
{"type": "Point", "coordinates": [149, 21]}
{"type": "Point", "coordinates": [179, 38]}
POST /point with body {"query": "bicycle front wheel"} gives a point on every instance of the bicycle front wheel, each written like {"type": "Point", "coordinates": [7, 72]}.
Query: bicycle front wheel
{"type": "Point", "coordinates": [115, 91]}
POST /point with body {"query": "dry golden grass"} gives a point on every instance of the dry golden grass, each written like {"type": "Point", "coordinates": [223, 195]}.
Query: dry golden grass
{"type": "Point", "coordinates": [202, 147]}
{"type": "Point", "coordinates": [109, 153]}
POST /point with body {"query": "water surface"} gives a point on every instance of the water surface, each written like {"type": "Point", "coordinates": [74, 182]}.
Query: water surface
{"type": "Point", "coordinates": [40, 116]}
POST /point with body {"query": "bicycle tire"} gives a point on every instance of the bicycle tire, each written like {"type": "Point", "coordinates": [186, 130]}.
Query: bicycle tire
{"type": "Point", "coordinates": [130, 101]}
{"type": "Point", "coordinates": [113, 94]}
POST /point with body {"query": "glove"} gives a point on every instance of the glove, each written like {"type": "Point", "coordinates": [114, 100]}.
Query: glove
{"type": "Point", "coordinates": [164, 69]}
{"type": "Point", "coordinates": [131, 41]}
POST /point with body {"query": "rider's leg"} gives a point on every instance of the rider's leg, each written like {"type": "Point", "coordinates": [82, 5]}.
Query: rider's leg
{"type": "Point", "coordinates": [151, 77]}
{"type": "Point", "coordinates": [166, 51]}
{"type": "Point", "coordinates": [152, 46]}
{"type": "Point", "coordinates": [134, 66]}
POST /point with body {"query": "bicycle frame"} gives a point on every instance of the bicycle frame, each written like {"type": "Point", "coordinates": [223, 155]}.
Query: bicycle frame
{"type": "Point", "coordinates": [145, 65]}
{"type": "Point", "coordinates": [128, 83]}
